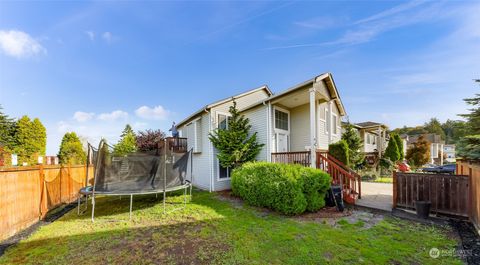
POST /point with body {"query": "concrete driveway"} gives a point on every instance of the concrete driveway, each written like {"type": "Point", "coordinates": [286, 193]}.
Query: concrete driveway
{"type": "Point", "coordinates": [377, 196]}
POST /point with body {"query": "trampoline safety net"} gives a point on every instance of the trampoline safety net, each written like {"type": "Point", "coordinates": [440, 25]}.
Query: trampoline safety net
{"type": "Point", "coordinates": [141, 172]}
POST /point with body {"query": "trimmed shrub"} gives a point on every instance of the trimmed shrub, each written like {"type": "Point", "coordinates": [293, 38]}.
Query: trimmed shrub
{"type": "Point", "coordinates": [289, 189]}
{"type": "Point", "coordinates": [339, 150]}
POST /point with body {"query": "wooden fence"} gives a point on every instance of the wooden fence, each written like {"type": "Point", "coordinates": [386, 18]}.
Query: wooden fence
{"type": "Point", "coordinates": [28, 193]}
{"type": "Point", "coordinates": [472, 169]}
{"type": "Point", "coordinates": [449, 194]}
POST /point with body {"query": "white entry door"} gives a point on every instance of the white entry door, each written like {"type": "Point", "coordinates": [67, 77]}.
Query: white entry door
{"type": "Point", "coordinates": [282, 142]}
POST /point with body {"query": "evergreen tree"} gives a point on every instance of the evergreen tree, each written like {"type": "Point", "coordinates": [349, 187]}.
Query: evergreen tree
{"type": "Point", "coordinates": [419, 154]}
{"type": "Point", "coordinates": [399, 143]}
{"type": "Point", "coordinates": [25, 146]}
{"type": "Point", "coordinates": [40, 135]}
{"type": "Point", "coordinates": [469, 146]}
{"type": "Point", "coordinates": [392, 152]}
{"type": "Point", "coordinates": [127, 143]}
{"type": "Point", "coordinates": [434, 126]}
{"type": "Point", "coordinates": [234, 144]}
{"type": "Point", "coordinates": [7, 130]}
{"type": "Point", "coordinates": [355, 144]}
{"type": "Point", "coordinates": [71, 150]}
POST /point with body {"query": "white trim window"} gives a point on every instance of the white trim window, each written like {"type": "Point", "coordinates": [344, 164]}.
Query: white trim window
{"type": "Point", "coordinates": [327, 122]}
{"type": "Point", "coordinates": [222, 124]}
{"type": "Point", "coordinates": [335, 123]}
{"type": "Point", "coordinates": [281, 125]}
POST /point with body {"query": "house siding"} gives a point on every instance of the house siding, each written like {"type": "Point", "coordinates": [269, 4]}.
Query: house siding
{"type": "Point", "coordinates": [242, 102]}
{"type": "Point", "coordinates": [258, 117]}
{"type": "Point", "coordinates": [201, 161]}
{"type": "Point", "coordinates": [300, 128]}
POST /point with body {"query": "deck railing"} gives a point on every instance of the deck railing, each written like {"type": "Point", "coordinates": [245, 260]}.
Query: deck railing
{"type": "Point", "coordinates": [175, 144]}
{"type": "Point", "coordinates": [301, 158]}
{"type": "Point", "coordinates": [341, 174]}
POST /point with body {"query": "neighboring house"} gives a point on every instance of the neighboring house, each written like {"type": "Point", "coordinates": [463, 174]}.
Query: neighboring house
{"type": "Point", "coordinates": [374, 136]}
{"type": "Point", "coordinates": [436, 146]}
{"type": "Point", "coordinates": [304, 118]}
{"type": "Point", "coordinates": [374, 139]}
{"type": "Point", "coordinates": [449, 153]}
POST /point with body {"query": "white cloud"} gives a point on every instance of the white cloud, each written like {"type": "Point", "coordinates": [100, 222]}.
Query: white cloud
{"type": "Point", "coordinates": [155, 113]}
{"type": "Point", "coordinates": [392, 11]}
{"type": "Point", "coordinates": [318, 22]}
{"type": "Point", "coordinates": [81, 116]}
{"type": "Point", "coordinates": [90, 34]}
{"type": "Point", "coordinates": [108, 37]}
{"type": "Point", "coordinates": [113, 116]}
{"type": "Point", "coordinates": [19, 44]}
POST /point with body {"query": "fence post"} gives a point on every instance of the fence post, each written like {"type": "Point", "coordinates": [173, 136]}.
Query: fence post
{"type": "Point", "coordinates": [394, 189]}
{"type": "Point", "coordinates": [41, 180]}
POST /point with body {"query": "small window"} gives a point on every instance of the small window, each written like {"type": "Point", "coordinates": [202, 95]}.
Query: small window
{"type": "Point", "coordinates": [222, 121]}
{"type": "Point", "coordinates": [334, 120]}
{"type": "Point", "coordinates": [327, 123]}
{"type": "Point", "coordinates": [281, 120]}
{"type": "Point", "coordinates": [368, 138]}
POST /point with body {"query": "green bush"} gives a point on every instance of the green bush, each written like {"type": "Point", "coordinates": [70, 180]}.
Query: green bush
{"type": "Point", "coordinates": [289, 189]}
{"type": "Point", "coordinates": [339, 150]}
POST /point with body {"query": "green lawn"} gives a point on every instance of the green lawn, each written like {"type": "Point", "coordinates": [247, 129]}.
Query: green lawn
{"type": "Point", "coordinates": [384, 180]}
{"type": "Point", "coordinates": [214, 231]}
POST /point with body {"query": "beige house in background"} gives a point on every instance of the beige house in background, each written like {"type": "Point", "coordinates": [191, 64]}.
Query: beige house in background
{"type": "Point", "coordinates": [449, 153]}
{"type": "Point", "coordinates": [298, 121]}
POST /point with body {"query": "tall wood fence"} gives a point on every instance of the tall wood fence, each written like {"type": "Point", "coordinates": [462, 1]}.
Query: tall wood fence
{"type": "Point", "coordinates": [472, 169]}
{"type": "Point", "coordinates": [449, 194]}
{"type": "Point", "coordinates": [28, 193]}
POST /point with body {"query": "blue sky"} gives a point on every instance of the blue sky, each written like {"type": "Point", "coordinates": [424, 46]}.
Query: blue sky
{"type": "Point", "coordinates": [92, 67]}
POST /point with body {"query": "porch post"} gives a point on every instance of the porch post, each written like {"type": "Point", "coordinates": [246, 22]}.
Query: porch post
{"type": "Point", "coordinates": [313, 127]}
{"type": "Point", "coordinates": [330, 126]}
{"type": "Point", "coordinates": [381, 139]}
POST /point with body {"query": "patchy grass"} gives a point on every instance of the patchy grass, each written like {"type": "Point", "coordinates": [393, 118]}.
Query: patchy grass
{"type": "Point", "coordinates": [384, 180]}
{"type": "Point", "coordinates": [213, 231]}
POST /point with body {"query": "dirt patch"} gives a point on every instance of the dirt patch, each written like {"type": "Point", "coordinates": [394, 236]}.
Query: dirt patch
{"type": "Point", "coordinates": [228, 196]}
{"type": "Point", "coordinates": [469, 249]}
{"type": "Point", "coordinates": [330, 215]}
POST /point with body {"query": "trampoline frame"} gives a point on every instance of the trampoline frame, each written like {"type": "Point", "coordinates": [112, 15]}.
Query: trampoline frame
{"type": "Point", "coordinates": [91, 192]}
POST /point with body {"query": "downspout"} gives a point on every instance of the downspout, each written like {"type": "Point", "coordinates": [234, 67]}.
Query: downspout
{"type": "Point", "coordinates": [210, 151]}
{"type": "Point", "coordinates": [269, 128]}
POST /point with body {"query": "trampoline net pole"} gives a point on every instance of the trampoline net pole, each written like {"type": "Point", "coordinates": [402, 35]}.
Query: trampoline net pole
{"type": "Point", "coordinates": [93, 206]}
{"type": "Point", "coordinates": [165, 144]}
{"type": "Point", "coordinates": [131, 202]}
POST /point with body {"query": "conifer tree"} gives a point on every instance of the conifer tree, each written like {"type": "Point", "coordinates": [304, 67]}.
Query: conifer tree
{"type": "Point", "coordinates": [355, 144]}
{"type": "Point", "coordinates": [71, 150]}
{"type": "Point", "coordinates": [234, 144]}
{"type": "Point", "coordinates": [127, 143]}
{"type": "Point", "coordinates": [391, 152]}
{"type": "Point", "coordinates": [399, 142]}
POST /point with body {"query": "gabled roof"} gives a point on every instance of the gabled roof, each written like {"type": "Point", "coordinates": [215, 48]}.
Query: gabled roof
{"type": "Point", "coordinates": [219, 102]}
{"type": "Point", "coordinates": [369, 124]}
{"type": "Point", "coordinates": [327, 77]}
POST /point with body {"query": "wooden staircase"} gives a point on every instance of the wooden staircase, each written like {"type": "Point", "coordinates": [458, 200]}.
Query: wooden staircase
{"type": "Point", "coordinates": [341, 175]}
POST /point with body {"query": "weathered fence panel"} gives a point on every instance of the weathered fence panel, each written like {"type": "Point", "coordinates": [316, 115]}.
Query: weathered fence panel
{"type": "Point", "coordinates": [449, 194]}
{"type": "Point", "coordinates": [28, 193]}
{"type": "Point", "coordinates": [472, 169]}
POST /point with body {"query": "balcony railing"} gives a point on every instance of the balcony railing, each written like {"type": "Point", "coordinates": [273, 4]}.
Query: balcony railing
{"type": "Point", "coordinates": [301, 158]}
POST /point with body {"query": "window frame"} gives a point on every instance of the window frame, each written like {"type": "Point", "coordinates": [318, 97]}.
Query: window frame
{"type": "Point", "coordinates": [275, 109]}
{"type": "Point", "coordinates": [228, 116]}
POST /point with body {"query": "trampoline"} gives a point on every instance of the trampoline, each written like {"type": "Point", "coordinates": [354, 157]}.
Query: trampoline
{"type": "Point", "coordinates": [165, 169]}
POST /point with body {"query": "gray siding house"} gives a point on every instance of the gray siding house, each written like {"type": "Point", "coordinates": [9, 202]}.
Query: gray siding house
{"type": "Point", "coordinates": [303, 119]}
